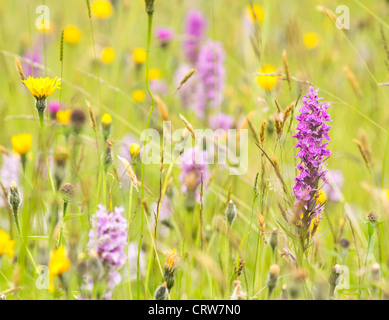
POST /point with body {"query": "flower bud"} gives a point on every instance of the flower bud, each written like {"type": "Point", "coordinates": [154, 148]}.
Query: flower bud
{"type": "Point", "coordinates": [108, 155]}
{"type": "Point", "coordinates": [149, 6]}
{"type": "Point", "coordinates": [161, 292]}
{"type": "Point", "coordinates": [273, 240]}
{"type": "Point", "coordinates": [272, 278]}
{"type": "Point", "coordinates": [67, 191]}
{"type": "Point", "coordinates": [334, 279]}
{"type": "Point", "coordinates": [106, 125]}
{"type": "Point", "coordinates": [230, 212]}
{"type": "Point", "coordinates": [77, 119]}
{"type": "Point", "coordinates": [134, 150]}
{"type": "Point", "coordinates": [14, 197]}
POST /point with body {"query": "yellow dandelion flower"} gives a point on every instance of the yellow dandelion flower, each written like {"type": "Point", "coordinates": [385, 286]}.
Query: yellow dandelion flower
{"type": "Point", "coordinates": [154, 74]}
{"type": "Point", "coordinates": [134, 150]}
{"type": "Point", "coordinates": [106, 120]}
{"type": "Point", "coordinates": [255, 13]}
{"type": "Point", "coordinates": [321, 197]}
{"type": "Point", "coordinates": [72, 34]}
{"type": "Point", "coordinates": [64, 116]}
{"type": "Point", "coordinates": [387, 193]}
{"type": "Point", "coordinates": [311, 40]}
{"type": "Point", "coordinates": [41, 88]}
{"type": "Point", "coordinates": [59, 262]}
{"type": "Point", "coordinates": [139, 55]}
{"type": "Point", "coordinates": [172, 259]}
{"type": "Point", "coordinates": [102, 9]}
{"type": "Point", "coordinates": [139, 95]}
{"type": "Point", "coordinates": [107, 55]}
{"type": "Point", "coordinates": [6, 244]}
{"type": "Point", "coordinates": [267, 82]}
{"type": "Point", "coordinates": [21, 143]}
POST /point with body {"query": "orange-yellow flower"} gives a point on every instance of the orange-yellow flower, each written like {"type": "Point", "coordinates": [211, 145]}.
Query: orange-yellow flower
{"type": "Point", "coordinates": [311, 40]}
{"type": "Point", "coordinates": [72, 34]}
{"type": "Point", "coordinates": [255, 13]}
{"type": "Point", "coordinates": [59, 262]}
{"type": "Point", "coordinates": [102, 9]}
{"type": "Point", "coordinates": [267, 82]}
{"type": "Point", "coordinates": [108, 55]}
{"type": "Point", "coordinates": [6, 244]}
{"type": "Point", "coordinates": [64, 116]}
{"type": "Point", "coordinates": [139, 55]}
{"type": "Point", "coordinates": [139, 95]}
{"type": "Point", "coordinates": [21, 143]}
{"type": "Point", "coordinates": [106, 120]}
{"type": "Point", "coordinates": [154, 74]}
{"type": "Point", "coordinates": [172, 259]}
{"type": "Point", "coordinates": [134, 150]}
{"type": "Point", "coordinates": [41, 88]}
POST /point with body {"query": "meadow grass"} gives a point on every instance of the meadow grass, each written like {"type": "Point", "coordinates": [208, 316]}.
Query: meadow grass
{"type": "Point", "coordinates": [260, 252]}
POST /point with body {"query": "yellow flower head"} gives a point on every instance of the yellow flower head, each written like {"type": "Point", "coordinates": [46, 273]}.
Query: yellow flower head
{"type": "Point", "coordinates": [41, 88]}
{"type": "Point", "coordinates": [255, 13]}
{"type": "Point", "coordinates": [64, 116]}
{"type": "Point", "coordinates": [139, 55]}
{"type": "Point", "coordinates": [59, 262]}
{"type": "Point", "coordinates": [72, 34]}
{"type": "Point", "coordinates": [102, 9]}
{"type": "Point", "coordinates": [106, 120]}
{"type": "Point", "coordinates": [387, 193]}
{"type": "Point", "coordinates": [172, 259]}
{"type": "Point", "coordinates": [21, 143]}
{"type": "Point", "coordinates": [267, 82]}
{"type": "Point", "coordinates": [107, 55]}
{"type": "Point", "coordinates": [321, 197]}
{"type": "Point", "coordinates": [139, 95]}
{"type": "Point", "coordinates": [311, 40]}
{"type": "Point", "coordinates": [154, 74]}
{"type": "Point", "coordinates": [134, 150]}
{"type": "Point", "coordinates": [6, 244]}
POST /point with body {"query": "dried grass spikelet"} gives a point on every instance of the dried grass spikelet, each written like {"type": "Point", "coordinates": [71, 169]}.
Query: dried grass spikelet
{"type": "Point", "coordinates": [262, 132]}
{"type": "Point", "coordinates": [91, 115]}
{"type": "Point", "coordinates": [366, 145]}
{"type": "Point", "coordinates": [19, 69]}
{"type": "Point", "coordinates": [363, 152]}
{"type": "Point", "coordinates": [286, 69]}
{"type": "Point", "coordinates": [287, 112]}
{"type": "Point", "coordinates": [145, 206]}
{"type": "Point", "coordinates": [329, 13]}
{"type": "Point", "coordinates": [186, 78]}
{"type": "Point", "coordinates": [162, 108]}
{"type": "Point", "coordinates": [262, 224]}
{"type": "Point", "coordinates": [188, 126]}
{"type": "Point", "coordinates": [278, 123]}
{"type": "Point", "coordinates": [129, 171]}
{"type": "Point", "coordinates": [353, 81]}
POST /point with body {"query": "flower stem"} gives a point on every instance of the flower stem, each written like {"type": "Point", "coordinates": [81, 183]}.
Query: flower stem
{"type": "Point", "coordinates": [150, 25]}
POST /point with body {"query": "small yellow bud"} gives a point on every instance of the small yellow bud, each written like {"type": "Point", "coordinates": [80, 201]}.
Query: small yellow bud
{"type": "Point", "coordinates": [72, 34]}
{"type": "Point", "coordinates": [108, 55]}
{"type": "Point", "coordinates": [106, 120]}
{"type": "Point", "coordinates": [134, 150]}
{"type": "Point", "coordinates": [139, 55]}
{"type": "Point", "coordinates": [139, 95]}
